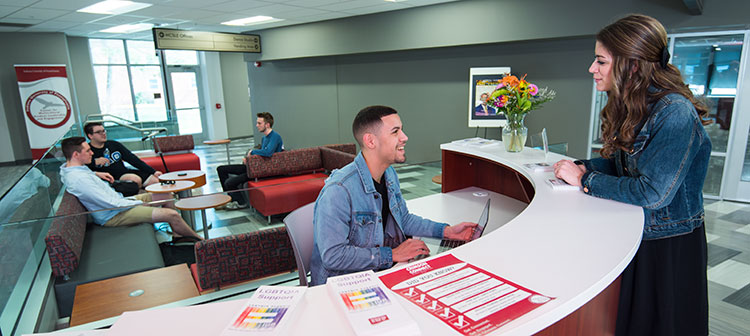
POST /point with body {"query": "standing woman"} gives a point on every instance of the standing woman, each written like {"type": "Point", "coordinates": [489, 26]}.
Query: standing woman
{"type": "Point", "coordinates": [655, 156]}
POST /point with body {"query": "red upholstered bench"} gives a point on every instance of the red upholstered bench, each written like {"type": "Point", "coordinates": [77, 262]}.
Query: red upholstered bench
{"type": "Point", "coordinates": [281, 195]}
{"type": "Point", "coordinates": [177, 153]}
{"type": "Point", "coordinates": [290, 179]}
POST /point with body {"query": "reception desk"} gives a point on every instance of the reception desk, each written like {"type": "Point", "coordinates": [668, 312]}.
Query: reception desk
{"type": "Point", "coordinates": [563, 244]}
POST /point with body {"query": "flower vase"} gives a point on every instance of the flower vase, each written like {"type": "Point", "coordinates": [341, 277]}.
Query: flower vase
{"type": "Point", "coordinates": [514, 134]}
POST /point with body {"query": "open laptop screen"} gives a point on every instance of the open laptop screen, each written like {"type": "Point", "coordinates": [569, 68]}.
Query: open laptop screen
{"type": "Point", "coordinates": [482, 223]}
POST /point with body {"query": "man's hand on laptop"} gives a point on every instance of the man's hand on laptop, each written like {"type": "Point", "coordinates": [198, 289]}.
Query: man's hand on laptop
{"type": "Point", "coordinates": [462, 231]}
{"type": "Point", "coordinates": [409, 249]}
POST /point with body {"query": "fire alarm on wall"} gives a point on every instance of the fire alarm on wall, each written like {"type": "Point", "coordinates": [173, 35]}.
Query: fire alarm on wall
{"type": "Point", "coordinates": [257, 64]}
{"type": "Point", "coordinates": [218, 106]}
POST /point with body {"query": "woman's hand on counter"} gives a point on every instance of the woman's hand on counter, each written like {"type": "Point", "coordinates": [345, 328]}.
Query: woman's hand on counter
{"type": "Point", "coordinates": [461, 231]}
{"type": "Point", "coordinates": [569, 172]}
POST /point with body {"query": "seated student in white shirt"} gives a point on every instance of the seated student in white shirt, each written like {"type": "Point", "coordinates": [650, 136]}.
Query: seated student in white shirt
{"type": "Point", "coordinates": [95, 194]}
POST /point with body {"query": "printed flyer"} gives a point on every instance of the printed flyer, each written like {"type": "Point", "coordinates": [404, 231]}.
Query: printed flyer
{"type": "Point", "coordinates": [268, 312]}
{"type": "Point", "coordinates": [465, 297]}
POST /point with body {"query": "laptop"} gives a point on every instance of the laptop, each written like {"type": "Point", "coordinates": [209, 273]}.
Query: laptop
{"type": "Point", "coordinates": [447, 244]}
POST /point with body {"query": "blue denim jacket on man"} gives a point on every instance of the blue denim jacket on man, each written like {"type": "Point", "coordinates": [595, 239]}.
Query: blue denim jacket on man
{"type": "Point", "coordinates": [348, 228]}
{"type": "Point", "coordinates": [663, 173]}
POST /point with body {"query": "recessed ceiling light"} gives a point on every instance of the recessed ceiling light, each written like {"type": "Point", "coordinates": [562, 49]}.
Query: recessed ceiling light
{"type": "Point", "coordinates": [251, 21]}
{"type": "Point", "coordinates": [113, 7]}
{"type": "Point", "coordinates": [128, 28]}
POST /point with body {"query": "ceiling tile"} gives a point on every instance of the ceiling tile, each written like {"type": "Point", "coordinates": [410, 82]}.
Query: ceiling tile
{"type": "Point", "coordinates": [71, 5]}
{"type": "Point", "coordinates": [238, 5]}
{"type": "Point", "coordinates": [321, 17]}
{"type": "Point", "coordinates": [302, 12]}
{"type": "Point", "coordinates": [81, 17]}
{"type": "Point", "coordinates": [5, 10]}
{"type": "Point", "coordinates": [121, 19]}
{"type": "Point", "coordinates": [156, 11]}
{"type": "Point", "coordinates": [195, 14]}
{"type": "Point", "coordinates": [188, 4]}
{"type": "Point", "coordinates": [37, 14]}
{"type": "Point", "coordinates": [55, 24]}
{"type": "Point", "coordinates": [17, 3]}
{"type": "Point", "coordinates": [376, 9]}
{"type": "Point", "coordinates": [269, 10]}
{"type": "Point", "coordinates": [345, 6]}
{"type": "Point", "coordinates": [313, 3]}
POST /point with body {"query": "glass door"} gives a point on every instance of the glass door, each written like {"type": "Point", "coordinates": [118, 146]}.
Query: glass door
{"type": "Point", "coordinates": [712, 66]}
{"type": "Point", "coordinates": [186, 100]}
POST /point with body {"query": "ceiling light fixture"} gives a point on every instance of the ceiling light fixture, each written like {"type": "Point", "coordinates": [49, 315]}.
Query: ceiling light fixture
{"type": "Point", "coordinates": [128, 28]}
{"type": "Point", "coordinates": [251, 21]}
{"type": "Point", "coordinates": [113, 7]}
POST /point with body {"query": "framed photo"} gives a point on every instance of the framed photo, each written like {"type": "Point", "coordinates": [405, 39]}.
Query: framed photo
{"type": "Point", "coordinates": [482, 81]}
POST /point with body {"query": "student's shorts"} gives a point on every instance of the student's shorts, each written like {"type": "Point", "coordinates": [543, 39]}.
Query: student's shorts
{"type": "Point", "coordinates": [135, 215]}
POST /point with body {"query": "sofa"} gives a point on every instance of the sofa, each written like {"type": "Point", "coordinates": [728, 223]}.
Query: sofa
{"type": "Point", "coordinates": [82, 252]}
{"type": "Point", "coordinates": [290, 179]}
{"type": "Point", "coordinates": [177, 150]}
{"type": "Point", "coordinates": [234, 259]}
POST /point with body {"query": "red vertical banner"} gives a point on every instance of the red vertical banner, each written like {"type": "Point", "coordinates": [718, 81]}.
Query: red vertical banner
{"type": "Point", "coordinates": [46, 104]}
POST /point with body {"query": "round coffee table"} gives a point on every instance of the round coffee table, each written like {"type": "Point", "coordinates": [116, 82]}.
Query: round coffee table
{"type": "Point", "coordinates": [220, 142]}
{"type": "Point", "coordinates": [158, 188]}
{"type": "Point", "coordinates": [202, 203]}
{"type": "Point", "coordinates": [196, 176]}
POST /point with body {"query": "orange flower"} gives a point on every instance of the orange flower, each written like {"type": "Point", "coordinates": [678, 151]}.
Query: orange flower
{"type": "Point", "coordinates": [510, 81]}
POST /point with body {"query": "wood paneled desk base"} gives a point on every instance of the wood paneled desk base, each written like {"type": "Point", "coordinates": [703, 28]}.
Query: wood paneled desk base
{"type": "Point", "coordinates": [107, 298]}
{"type": "Point", "coordinates": [460, 170]}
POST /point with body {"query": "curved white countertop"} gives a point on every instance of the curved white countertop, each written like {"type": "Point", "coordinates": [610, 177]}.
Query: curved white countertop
{"type": "Point", "coordinates": [564, 244]}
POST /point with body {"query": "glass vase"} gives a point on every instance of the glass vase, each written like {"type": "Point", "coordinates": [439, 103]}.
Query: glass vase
{"type": "Point", "coordinates": [514, 134]}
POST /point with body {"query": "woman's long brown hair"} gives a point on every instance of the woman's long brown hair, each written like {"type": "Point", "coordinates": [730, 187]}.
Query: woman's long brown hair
{"type": "Point", "coordinates": [636, 43]}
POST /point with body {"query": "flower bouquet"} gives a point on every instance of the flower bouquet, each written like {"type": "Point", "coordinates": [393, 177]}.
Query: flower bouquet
{"type": "Point", "coordinates": [515, 98]}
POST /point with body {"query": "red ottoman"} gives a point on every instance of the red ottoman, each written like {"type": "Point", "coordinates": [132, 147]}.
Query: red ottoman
{"type": "Point", "coordinates": [281, 195]}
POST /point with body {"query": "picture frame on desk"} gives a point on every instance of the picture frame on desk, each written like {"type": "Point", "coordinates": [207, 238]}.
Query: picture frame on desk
{"type": "Point", "coordinates": [483, 81]}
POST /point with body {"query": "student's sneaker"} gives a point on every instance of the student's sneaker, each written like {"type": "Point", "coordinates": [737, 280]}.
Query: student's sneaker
{"type": "Point", "coordinates": [233, 205]}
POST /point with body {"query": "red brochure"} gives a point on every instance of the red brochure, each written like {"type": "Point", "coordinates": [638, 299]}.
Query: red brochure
{"type": "Point", "coordinates": [465, 297]}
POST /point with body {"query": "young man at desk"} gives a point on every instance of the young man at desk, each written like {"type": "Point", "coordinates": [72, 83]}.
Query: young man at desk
{"type": "Point", "coordinates": [361, 221]}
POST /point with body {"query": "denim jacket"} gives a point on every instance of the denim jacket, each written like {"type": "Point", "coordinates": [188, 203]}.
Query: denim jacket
{"type": "Point", "coordinates": [348, 226]}
{"type": "Point", "coordinates": [663, 173]}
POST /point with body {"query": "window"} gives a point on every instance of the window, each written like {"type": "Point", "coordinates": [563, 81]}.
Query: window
{"type": "Point", "coordinates": [128, 79]}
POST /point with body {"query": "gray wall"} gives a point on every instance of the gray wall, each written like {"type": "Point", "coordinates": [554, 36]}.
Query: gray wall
{"type": "Point", "coordinates": [26, 48]}
{"type": "Point", "coordinates": [417, 61]}
{"type": "Point", "coordinates": [240, 121]}
{"type": "Point", "coordinates": [315, 100]}
{"type": "Point", "coordinates": [83, 72]}
{"type": "Point", "coordinates": [482, 21]}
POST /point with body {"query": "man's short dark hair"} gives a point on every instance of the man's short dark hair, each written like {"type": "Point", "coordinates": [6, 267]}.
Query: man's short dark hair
{"type": "Point", "coordinates": [71, 145]}
{"type": "Point", "coordinates": [267, 117]}
{"type": "Point", "coordinates": [368, 119]}
{"type": "Point", "coordinates": [89, 127]}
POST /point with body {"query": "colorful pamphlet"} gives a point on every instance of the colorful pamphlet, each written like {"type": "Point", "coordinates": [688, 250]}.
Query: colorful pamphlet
{"type": "Point", "coordinates": [539, 167]}
{"type": "Point", "coordinates": [366, 304]}
{"type": "Point", "coordinates": [467, 298]}
{"type": "Point", "coordinates": [268, 312]}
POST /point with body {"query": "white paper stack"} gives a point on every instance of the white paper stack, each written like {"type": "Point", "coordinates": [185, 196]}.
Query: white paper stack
{"type": "Point", "coordinates": [370, 310]}
{"type": "Point", "coordinates": [539, 167]}
{"type": "Point", "coordinates": [558, 184]}
{"type": "Point", "coordinates": [269, 312]}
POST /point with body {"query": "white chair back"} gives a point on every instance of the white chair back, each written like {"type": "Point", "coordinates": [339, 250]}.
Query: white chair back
{"type": "Point", "coordinates": [299, 226]}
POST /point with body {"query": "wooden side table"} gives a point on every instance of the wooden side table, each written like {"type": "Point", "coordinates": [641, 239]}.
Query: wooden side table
{"type": "Point", "coordinates": [111, 297]}
{"type": "Point", "coordinates": [196, 176]}
{"type": "Point", "coordinates": [158, 188]}
{"type": "Point", "coordinates": [202, 203]}
{"type": "Point", "coordinates": [220, 142]}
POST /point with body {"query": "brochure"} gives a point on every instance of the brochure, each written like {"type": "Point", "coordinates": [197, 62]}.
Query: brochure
{"type": "Point", "coordinates": [558, 184]}
{"type": "Point", "coordinates": [539, 167]}
{"type": "Point", "coordinates": [465, 297]}
{"type": "Point", "coordinates": [368, 307]}
{"type": "Point", "coordinates": [268, 312]}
